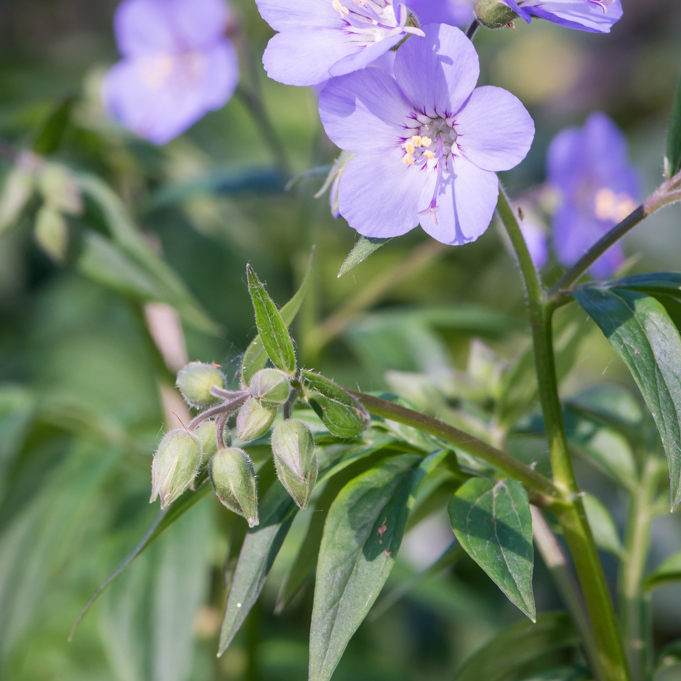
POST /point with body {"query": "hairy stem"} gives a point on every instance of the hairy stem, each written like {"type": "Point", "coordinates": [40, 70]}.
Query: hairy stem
{"type": "Point", "coordinates": [542, 492]}
{"type": "Point", "coordinates": [610, 664]}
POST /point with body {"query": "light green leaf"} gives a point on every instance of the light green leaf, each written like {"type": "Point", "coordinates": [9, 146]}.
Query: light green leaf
{"type": "Point", "coordinates": [362, 535]}
{"type": "Point", "coordinates": [603, 526]}
{"type": "Point", "coordinates": [506, 656]}
{"type": "Point", "coordinates": [492, 521]}
{"type": "Point", "coordinates": [255, 356]}
{"type": "Point", "coordinates": [667, 573]}
{"type": "Point", "coordinates": [641, 332]}
{"type": "Point", "coordinates": [672, 159]}
{"type": "Point", "coordinates": [364, 247]}
{"type": "Point", "coordinates": [339, 411]}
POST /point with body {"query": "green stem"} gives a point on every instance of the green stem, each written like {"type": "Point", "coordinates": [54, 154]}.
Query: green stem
{"type": "Point", "coordinates": [610, 663]}
{"type": "Point", "coordinates": [634, 602]}
{"type": "Point", "coordinates": [542, 491]}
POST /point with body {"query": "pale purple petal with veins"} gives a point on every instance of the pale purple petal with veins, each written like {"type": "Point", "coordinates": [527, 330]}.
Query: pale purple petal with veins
{"type": "Point", "coordinates": [595, 16]}
{"type": "Point", "coordinates": [454, 12]}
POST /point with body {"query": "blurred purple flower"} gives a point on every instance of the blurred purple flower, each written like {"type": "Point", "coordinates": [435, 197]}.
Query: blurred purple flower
{"type": "Point", "coordinates": [427, 142]}
{"type": "Point", "coordinates": [598, 187]}
{"type": "Point", "coordinates": [177, 65]}
{"type": "Point", "coordinates": [319, 39]}
{"type": "Point", "coordinates": [453, 12]}
{"type": "Point", "coordinates": [596, 16]}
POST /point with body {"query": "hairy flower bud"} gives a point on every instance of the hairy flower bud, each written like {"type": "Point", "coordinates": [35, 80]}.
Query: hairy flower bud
{"type": "Point", "coordinates": [254, 420]}
{"type": "Point", "coordinates": [270, 387]}
{"type": "Point", "coordinates": [494, 13]}
{"type": "Point", "coordinates": [195, 382]}
{"type": "Point", "coordinates": [175, 466]}
{"type": "Point", "coordinates": [206, 432]}
{"type": "Point", "coordinates": [233, 477]}
{"type": "Point", "coordinates": [294, 458]}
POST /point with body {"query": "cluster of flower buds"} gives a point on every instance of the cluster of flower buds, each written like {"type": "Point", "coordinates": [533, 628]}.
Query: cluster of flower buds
{"type": "Point", "coordinates": [184, 456]}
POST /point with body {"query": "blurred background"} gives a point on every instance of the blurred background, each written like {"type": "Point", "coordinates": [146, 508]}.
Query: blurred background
{"type": "Point", "coordinates": [81, 377]}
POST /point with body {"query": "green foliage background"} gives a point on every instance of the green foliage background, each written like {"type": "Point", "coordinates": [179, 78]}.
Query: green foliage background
{"type": "Point", "coordinates": [80, 410]}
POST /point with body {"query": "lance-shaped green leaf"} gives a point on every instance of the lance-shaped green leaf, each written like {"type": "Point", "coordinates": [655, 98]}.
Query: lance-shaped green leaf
{"type": "Point", "coordinates": [672, 159]}
{"type": "Point", "coordinates": [667, 573]}
{"type": "Point", "coordinates": [505, 657]}
{"type": "Point", "coordinates": [643, 335]}
{"type": "Point", "coordinates": [339, 411]}
{"type": "Point", "coordinates": [656, 284]}
{"type": "Point", "coordinates": [49, 136]}
{"type": "Point", "coordinates": [362, 535]}
{"type": "Point", "coordinates": [272, 330]}
{"type": "Point", "coordinates": [492, 521]}
{"type": "Point", "coordinates": [260, 548]}
{"type": "Point", "coordinates": [365, 246]}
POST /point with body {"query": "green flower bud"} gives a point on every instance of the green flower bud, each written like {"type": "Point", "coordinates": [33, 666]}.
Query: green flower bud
{"type": "Point", "coordinates": [494, 13]}
{"type": "Point", "coordinates": [60, 190]}
{"type": "Point", "coordinates": [270, 387]}
{"type": "Point", "coordinates": [254, 420]}
{"type": "Point", "coordinates": [175, 466]}
{"type": "Point", "coordinates": [207, 434]}
{"type": "Point", "coordinates": [233, 477]}
{"type": "Point", "coordinates": [195, 382]}
{"type": "Point", "coordinates": [52, 233]}
{"type": "Point", "coordinates": [294, 458]}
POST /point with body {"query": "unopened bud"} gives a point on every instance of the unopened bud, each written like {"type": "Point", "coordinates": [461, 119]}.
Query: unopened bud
{"type": "Point", "coordinates": [494, 13]}
{"type": "Point", "coordinates": [270, 387]}
{"type": "Point", "coordinates": [52, 233]}
{"type": "Point", "coordinates": [175, 466]}
{"type": "Point", "coordinates": [294, 458]}
{"type": "Point", "coordinates": [195, 382]}
{"type": "Point", "coordinates": [206, 432]}
{"type": "Point", "coordinates": [59, 188]}
{"type": "Point", "coordinates": [233, 477]}
{"type": "Point", "coordinates": [254, 420]}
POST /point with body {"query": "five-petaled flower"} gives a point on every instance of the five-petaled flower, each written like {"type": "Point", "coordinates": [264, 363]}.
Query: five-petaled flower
{"type": "Point", "coordinates": [596, 16]}
{"type": "Point", "coordinates": [598, 188]}
{"type": "Point", "coordinates": [177, 65]}
{"type": "Point", "coordinates": [427, 143]}
{"type": "Point", "coordinates": [319, 39]}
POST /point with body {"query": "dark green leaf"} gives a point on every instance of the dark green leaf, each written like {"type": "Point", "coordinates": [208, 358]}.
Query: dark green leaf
{"type": "Point", "coordinates": [360, 252]}
{"type": "Point", "coordinates": [492, 521]}
{"type": "Point", "coordinates": [672, 160]}
{"type": "Point", "coordinates": [507, 655]}
{"type": "Point", "coordinates": [161, 523]}
{"type": "Point", "coordinates": [255, 356]}
{"type": "Point", "coordinates": [51, 133]}
{"type": "Point", "coordinates": [259, 549]}
{"type": "Point", "coordinates": [361, 538]}
{"type": "Point", "coordinates": [339, 411]}
{"type": "Point", "coordinates": [641, 332]}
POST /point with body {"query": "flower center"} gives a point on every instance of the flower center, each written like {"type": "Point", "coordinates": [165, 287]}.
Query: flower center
{"type": "Point", "coordinates": [431, 133]}
{"type": "Point", "coordinates": [373, 20]}
{"type": "Point", "coordinates": [612, 207]}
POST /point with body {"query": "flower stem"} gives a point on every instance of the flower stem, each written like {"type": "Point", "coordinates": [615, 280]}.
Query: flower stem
{"type": "Point", "coordinates": [610, 664]}
{"type": "Point", "coordinates": [542, 491]}
{"type": "Point", "coordinates": [634, 603]}
{"type": "Point", "coordinates": [472, 29]}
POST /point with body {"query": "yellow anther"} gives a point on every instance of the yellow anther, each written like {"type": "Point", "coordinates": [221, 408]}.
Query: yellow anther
{"type": "Point", "coordinates": [426, 141]}
{"type": "Point", "coordinates": [339, 8]}
{"type": "Point", "coordinates": [408, 160]}
{"type": "Point", "coordinates": [429, 154]}
{"type": "Point", "coordinates": [416, 140]}
{"type": "Point", "coordinates": [409, 147]}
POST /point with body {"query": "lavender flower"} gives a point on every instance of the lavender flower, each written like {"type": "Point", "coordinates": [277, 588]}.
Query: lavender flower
{"type": "Point", "coordinates": [596, 16]}
{"type": "Point", "coordinates": [453, 12]}
{"type": "Point", "coordinates": [598, 188]}
{"type": "Point", "coordinates": [177, 65]}
{"type": "Point", "coordinates": [427, 143]}
{"type": "Point", "coordinates": [319, 39]}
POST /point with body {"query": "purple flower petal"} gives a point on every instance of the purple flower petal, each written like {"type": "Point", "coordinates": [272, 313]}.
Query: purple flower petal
{"type": "Point", "coordinates": [595, 16]}
{"type": "Point", "coordinates": [379, 195]}
{"type": "Point", "coordinates": [159, 96]}
{"type": "Point", "coordinates": [282, 15]}
{"type": "Point", "coordinates": [466, 202]}
{"type": "Point", "coordinates": [360, 60]}
{"type": "Point", "coordinates": [148, 26]}
{"type": "Point", "coordinates": [454, 12]}
{"type": "Point", "coordinates": [495, 130]}
{"type": "Point", "coordinates": [438, 72]}
{"type": "Point", "coordinates": [364, 110]}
